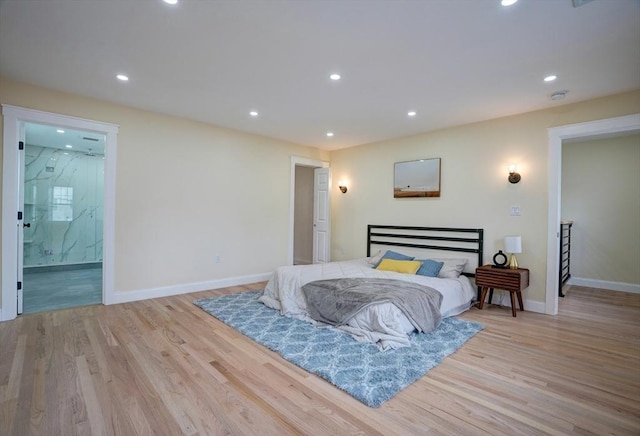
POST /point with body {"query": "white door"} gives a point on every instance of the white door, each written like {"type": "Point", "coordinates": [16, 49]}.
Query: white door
{"type": "Point", "coordinates": [321, 215]}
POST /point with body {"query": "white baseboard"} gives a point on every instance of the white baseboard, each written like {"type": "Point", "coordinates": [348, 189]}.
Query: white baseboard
{"type": "Point", "coordinates": [604, 284]}
{"type": "Point", "coordinates": [167, 291]}
{"type": "Point", "coordinates": [539, 307]}
{"type": "Point", "coordinates": [501, 297]}
{"type": "Point", "coordinates": [533, 306]}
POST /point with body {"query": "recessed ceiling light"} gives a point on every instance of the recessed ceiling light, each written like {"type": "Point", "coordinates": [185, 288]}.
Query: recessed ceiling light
{"type": "Point", "coordinates": [329, 134]}
{"type": "Point", "coordinates": [69, 146]}
{"type": "Point", "coordinates": [550, 78]}
{"type": "Point", "coordinates": [412, 113]}
{"type": "Point", "coordinates": [507, 2]}
{"type": "Point", "coordinates": [253, 113]}
{"type": "Point", "coordinates": [122, 77]}
{"type": "Point", "coordinates": [334, 76]}
{"type": "Point", "coordinates": [60, 131]}
{"type": "Point", "coordinates": [171, 2]}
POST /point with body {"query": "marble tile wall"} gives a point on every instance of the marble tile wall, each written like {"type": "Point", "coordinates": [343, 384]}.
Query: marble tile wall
{"type": "Point", "coordinates": [63, 203]}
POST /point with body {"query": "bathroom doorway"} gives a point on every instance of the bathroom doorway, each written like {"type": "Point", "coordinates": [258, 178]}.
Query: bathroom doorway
{"type": "Point", "coordinates": [62, 195]}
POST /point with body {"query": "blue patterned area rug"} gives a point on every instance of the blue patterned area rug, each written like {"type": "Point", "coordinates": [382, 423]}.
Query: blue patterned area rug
{"type": "Point", "coordinates": [358, 368]}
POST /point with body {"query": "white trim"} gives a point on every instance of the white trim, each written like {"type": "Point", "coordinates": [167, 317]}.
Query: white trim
{"type": "Point", "coordinates": [10, 182]}
{"type": "Point", "coordinates": [608, 126]}
{"type": "Point", "coordinates": [167, 291]}
{"type": "Point", "coordinates": [501, 298]}
{"type": "Point", "coordinates": [13, 116]}
{"type": "Point", "coordinates": [305, 162]}
{"type": "Point", "coordinates": [533, 306]}
{"type": "Point", "coordinates": [632, 288]}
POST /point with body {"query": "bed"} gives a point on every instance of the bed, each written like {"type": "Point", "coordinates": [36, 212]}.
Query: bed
{"type": "Point", "coordinates": [459, 250]}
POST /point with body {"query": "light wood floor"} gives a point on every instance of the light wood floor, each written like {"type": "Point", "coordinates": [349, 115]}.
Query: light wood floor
{"type": "Point", "coordinates": [165, 367]}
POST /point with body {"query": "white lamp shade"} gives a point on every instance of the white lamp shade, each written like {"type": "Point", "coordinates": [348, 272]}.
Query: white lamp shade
{"type": "Point", "coordinates": [513, 244]}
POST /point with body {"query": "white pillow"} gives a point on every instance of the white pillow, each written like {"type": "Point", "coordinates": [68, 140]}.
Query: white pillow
{"type": "Point", "coordinates": [375, 259]}
{"type": "Point", "coordinates": [452, 268]}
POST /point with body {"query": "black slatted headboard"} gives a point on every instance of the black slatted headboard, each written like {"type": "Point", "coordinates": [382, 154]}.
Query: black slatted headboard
{"type": "Point", "coordinates": [447, 239]}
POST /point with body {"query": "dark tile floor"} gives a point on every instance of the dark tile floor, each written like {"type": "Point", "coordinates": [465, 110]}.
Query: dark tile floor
{"type": "Point", "coordinates": [51, 290]}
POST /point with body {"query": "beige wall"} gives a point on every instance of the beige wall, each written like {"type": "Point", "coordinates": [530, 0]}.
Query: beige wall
{"type": "Point", "coordinates": [186, 191]}
{"type": "Point", "coordinates": [474, 188]}
{"type": "Point", "coordinates": [601, 194]}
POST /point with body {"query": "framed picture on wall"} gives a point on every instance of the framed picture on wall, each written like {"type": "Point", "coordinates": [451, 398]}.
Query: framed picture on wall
{"type": "Point", "coordinates": [417, 178]}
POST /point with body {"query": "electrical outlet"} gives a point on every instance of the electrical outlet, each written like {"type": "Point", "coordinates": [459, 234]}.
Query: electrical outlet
{"type": "Point", "coordinates": [515, 211]}
{"type": "Point", "coordinates": [217, 258]}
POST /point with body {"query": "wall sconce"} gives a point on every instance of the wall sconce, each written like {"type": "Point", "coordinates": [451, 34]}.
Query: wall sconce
{"type": "Point", "coordinates": [514, 176]}
{"type": "Point", "coordinates": [343, 187]}
{"type": "Point", "coordinates": [513, 245]}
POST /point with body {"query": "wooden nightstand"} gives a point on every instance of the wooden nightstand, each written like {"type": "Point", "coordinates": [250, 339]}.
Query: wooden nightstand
{"type": "Point", "coordinates": [512, 280]}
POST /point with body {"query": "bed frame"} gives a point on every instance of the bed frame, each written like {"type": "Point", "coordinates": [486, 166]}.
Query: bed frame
{"type": "Point", "coordinates": [447, 239]}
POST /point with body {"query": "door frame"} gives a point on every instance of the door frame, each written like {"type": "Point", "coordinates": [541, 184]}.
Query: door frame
{"type": "Point", "coordinates": [302, 161]}
{"type": "Point", "coordinates": [13, 117]}
{"type": "Point", "coordinates": [604, 127]}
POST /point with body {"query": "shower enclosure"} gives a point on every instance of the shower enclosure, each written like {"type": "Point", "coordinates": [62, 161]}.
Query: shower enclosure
{"type": "Point", "coordinates": [62, 207]}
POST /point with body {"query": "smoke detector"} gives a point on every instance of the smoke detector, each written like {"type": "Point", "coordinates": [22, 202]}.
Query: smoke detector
{"type": "Point", "coordinates": [578, 3]}
{"type": "Point", "coordinates": [559, 95]}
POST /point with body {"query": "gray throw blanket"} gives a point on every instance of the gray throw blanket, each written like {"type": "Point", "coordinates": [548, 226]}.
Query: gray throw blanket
{"type": "Point", "coordinates": [336, 301]}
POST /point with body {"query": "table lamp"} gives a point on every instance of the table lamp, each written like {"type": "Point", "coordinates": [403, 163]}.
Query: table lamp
{"type": "Point", "coordinates": [513, 245]}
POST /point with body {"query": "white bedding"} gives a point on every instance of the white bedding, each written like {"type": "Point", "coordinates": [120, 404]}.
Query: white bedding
{"type": "Point", "coordinates": [382, 324]}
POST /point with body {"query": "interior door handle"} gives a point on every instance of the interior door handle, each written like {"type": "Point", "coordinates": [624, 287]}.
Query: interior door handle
{"type": "Point", "coordinates": [26, 224]}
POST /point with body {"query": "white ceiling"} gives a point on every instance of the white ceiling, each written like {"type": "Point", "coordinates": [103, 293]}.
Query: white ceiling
{"type": "Point", "coordinates": [452, 61]}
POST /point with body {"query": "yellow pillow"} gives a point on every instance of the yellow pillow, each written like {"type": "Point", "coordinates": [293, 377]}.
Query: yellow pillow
{"type": "Point", "coordinates": [401, 266]}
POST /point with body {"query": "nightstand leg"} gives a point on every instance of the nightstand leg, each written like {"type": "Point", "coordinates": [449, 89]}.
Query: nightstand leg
{"type": "Point", "coordinates": [513, 303]}
{"type": "Point", "coordinates": [483, 295]}
{"type": "Point", "coordinates": [490, 295]}
{"type": "Point", "coordinates": [520, 301]}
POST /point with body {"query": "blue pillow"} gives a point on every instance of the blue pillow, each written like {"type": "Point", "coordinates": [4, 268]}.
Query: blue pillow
{"type": "Point", "coordinates": [429, 268]}
{"type": "Point", "coordinates": [393, 255]}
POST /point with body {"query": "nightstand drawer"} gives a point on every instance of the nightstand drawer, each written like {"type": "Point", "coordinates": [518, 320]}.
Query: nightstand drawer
{"type": "Point", "coordinates": [502, 278]}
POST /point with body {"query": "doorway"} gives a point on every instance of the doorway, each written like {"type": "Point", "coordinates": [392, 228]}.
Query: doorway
{"type": "Point", "coordinates": [303, 216]}
{"type": "Point", "coordinates": [15, 120]}
{"type": "Point", "coordinates": [601, 196]}
{"type": "Point", "coordinates": [63, 189]}
{"type": "Point", "coordinates": [303, 238]}
{"type": "Point", "coordinates": [599, 128]}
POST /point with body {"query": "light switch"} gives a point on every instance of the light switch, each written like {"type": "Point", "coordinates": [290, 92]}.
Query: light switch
{"type": "Point", "coordinates": [515, 210]}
